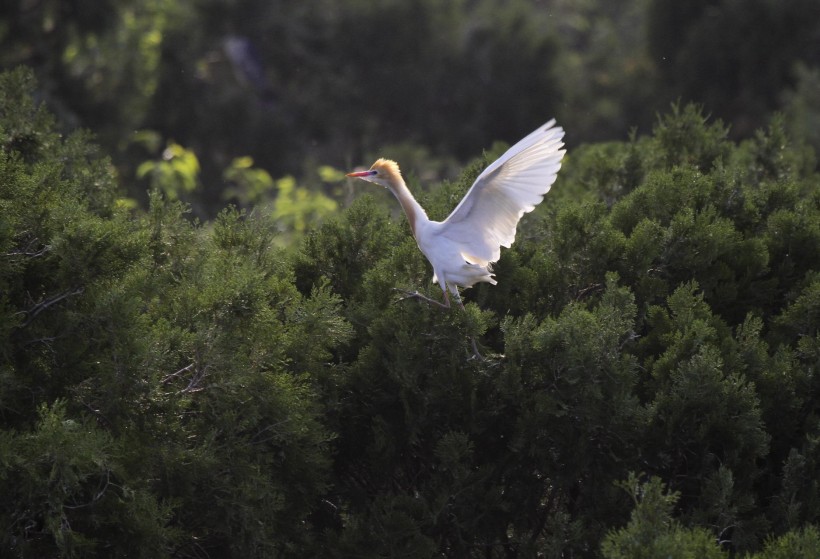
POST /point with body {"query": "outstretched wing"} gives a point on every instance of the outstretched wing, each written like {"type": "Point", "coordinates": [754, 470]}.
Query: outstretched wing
{"type": "Point", "coordinates": [486, 219]}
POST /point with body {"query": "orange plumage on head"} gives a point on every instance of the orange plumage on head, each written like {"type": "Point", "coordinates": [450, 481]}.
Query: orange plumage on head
{"type": "Point", "coordinates": [387, 168]}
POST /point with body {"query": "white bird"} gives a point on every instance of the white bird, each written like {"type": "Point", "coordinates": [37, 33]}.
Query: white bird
{"type": "Point", "coordinates": [463, 247]}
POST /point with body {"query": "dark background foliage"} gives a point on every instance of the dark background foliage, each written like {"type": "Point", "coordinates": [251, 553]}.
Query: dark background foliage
{"type": "Point", "coordinates": [297, 85]}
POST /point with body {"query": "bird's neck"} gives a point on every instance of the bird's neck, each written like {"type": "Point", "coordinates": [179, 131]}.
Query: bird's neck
{"type": "Point", "coordinates": [415, 213]}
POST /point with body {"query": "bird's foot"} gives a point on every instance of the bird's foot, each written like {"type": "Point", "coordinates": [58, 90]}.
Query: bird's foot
{"type": "Point", "coordinates": [477, 354]}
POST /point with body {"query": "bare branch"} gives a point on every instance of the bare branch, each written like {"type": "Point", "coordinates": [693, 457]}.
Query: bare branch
{"type": "Point", "coordinates": [32, 313]}
{"type": "Point", "coordinates": [167, 378]}
{"type": "Point", "coordinates": [193, 385]}
{"type": "Point", "coordinates": [28, 249]}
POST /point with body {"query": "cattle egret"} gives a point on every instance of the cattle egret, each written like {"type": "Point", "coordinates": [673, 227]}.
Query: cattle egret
{"type": "Point", "coordinates": [463, 247]}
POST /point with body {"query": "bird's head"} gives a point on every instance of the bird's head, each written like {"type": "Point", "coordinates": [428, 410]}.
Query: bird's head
{"type": "Point", "coordinates": [384, 172]}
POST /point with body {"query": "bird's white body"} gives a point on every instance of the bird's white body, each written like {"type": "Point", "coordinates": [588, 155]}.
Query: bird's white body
{"type": "Point", "coordinates": [463, 247]}
{"type": "Point", "coordinates": [452, 266]}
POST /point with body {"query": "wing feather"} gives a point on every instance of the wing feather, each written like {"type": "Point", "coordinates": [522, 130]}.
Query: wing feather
{"type": "Point", "coordinates": [487, 216]}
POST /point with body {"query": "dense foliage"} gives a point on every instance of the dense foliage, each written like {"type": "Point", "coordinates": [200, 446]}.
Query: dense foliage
{"type": "Point", "coordinates": [170, 388]}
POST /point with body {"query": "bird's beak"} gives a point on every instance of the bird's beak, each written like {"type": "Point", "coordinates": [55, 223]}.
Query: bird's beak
{"type": "Point", "coordinates": [362, 174]}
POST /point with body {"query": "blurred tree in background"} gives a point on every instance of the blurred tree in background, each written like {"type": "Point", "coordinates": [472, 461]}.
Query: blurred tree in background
{"type": "Point", "coordinates": [298, 85]}
{"type": "Point", "coordinates": [737, 57]}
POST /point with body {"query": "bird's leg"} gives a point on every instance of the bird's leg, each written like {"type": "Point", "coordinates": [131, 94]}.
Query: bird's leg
{"type": "Point", "coordinates": [444, 305]}
{"type": "Point", "coordinates": [417, 295]}
{"type": "Point", "coordinates": [476, 353]}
